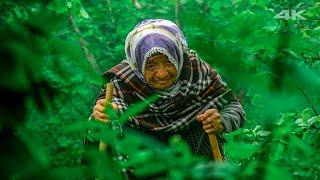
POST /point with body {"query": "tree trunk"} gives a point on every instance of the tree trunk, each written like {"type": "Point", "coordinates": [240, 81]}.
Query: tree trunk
{"type": "Point", "coordinates": [177, 9]}
{"type": "Point", "coordinates": [84, 45]}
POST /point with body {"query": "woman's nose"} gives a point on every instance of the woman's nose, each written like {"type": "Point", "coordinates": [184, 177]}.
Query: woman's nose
{"type": "Point", "coordinates": [162, 73]}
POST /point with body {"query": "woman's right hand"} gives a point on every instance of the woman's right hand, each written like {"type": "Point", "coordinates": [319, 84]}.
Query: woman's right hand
{"type": "Point", "coordinates": [98, 110]}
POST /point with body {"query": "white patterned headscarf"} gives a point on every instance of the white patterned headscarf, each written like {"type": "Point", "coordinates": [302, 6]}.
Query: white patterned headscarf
{"type": "Point", "coordinates": [154, 36]}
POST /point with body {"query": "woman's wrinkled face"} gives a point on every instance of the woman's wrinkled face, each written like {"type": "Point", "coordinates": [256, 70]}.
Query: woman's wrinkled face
{"type": "Point", "coordinates": [160, 73]}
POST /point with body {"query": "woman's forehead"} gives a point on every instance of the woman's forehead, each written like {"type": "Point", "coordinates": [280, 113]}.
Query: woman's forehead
{"type": "Point", "coordinates": [158, 58]}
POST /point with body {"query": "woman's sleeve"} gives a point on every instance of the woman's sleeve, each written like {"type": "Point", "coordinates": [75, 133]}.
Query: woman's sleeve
{"type": "Point", "coordinates": [232, 116]}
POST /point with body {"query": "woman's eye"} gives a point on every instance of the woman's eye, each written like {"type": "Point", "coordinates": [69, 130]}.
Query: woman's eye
{"type": "Point", "coordinates": [150, 67]}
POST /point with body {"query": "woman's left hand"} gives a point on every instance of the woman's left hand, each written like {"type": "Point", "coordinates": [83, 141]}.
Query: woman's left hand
{"type": "Point", "coordinates": [211, 121]}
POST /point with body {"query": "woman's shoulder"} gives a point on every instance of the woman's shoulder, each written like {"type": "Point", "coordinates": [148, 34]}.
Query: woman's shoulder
{"type": "Point", "coordinates": [120, 70]}
{"type": "Point", "coordinates": [198, 63]}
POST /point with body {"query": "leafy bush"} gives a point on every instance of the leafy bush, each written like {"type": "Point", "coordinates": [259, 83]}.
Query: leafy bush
{"type": "Point", "coordinates": [55, 51]}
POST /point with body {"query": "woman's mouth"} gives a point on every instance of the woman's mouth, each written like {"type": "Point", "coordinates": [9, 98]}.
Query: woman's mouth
{"type": "Point", "coordinates": [161, 82]}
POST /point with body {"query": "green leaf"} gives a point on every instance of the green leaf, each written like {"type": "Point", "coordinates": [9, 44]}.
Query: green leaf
{"type": "Point", "coordinates": [84, 13]}
{"type": "Point", "coordinates": [263, 133]}
{"type": "Point", "coordinates": [307, 114]}
{"type": "Point", "coordinates": [300, 122]}
{"type": "Point", "coordinates": [241, 150]}
{"type": "Point", "coordinates": [314, 120]}
{"type": "Point", "coordinates": [275, 171]}
{"type": "Point", "coordinates": [69, 4]}
{"type": "Point", "coordinates": [279, 151]}
{"type": "Point", "coordinates": [137, 108]}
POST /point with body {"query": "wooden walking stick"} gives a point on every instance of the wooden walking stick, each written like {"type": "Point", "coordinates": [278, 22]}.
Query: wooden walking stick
{"type": "Point", "coordinates": [215, 147]}
{"type": "Point", "coordinates": [108, 97]}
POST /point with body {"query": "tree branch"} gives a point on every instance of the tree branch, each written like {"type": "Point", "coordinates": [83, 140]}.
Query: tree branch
{"type": "Point", "coordinates": [137, 4]}
{"type": "Point", "coordinates": [308, 100]}
{"type": "Point", "coordinates": [113, 20]}
{"type": "Point", "coordinates": [177, 8]}
{"type": "Point", "coordinates": [241, 96]}
{"type": "Point", "coordinates": [84, 45]}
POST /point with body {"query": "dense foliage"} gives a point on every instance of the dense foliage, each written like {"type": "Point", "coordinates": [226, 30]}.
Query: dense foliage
{"type": "Point", "coordinates": [54, 52]}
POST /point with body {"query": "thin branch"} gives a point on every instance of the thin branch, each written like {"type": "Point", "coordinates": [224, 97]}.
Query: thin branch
{"type": "Point", "coordinates": [137, 4]}
{"type": "Point", "coordinates": [241, 96]}
{"type": "Point", "coordinates": [113, 20]}
{"type": "Point", "coordinates": [308, 100]}
{"type": "Point", "coordinates": [177, 10]}
{"type": "Point", "coordinates": [84, 45]}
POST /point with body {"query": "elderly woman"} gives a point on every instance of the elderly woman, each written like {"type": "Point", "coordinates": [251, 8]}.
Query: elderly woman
{"type": "Point", "coordinates": [158, 61]}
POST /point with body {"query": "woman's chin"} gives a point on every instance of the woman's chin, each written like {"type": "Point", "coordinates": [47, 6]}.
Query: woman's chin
{"type": "Point", "coordinates": [162, 86]}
